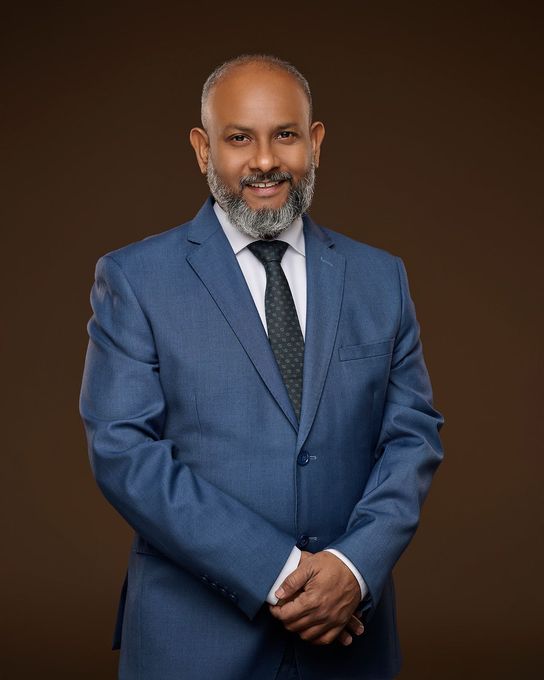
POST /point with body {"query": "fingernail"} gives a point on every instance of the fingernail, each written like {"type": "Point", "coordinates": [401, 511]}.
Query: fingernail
{"type": "Point", "coordinates": [348, 640]}
{"type": "Point", "coordinates": [280, 592]}
{"type": "Point", "coordinates": [360, 630]}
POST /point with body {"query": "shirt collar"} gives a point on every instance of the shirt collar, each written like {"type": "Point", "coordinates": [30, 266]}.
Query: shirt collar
{"type": "Point", "coordinates": [293, 235]}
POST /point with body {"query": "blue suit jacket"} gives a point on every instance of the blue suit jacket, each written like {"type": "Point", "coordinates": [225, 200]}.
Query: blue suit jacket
{"type": "Point", "coordinates": [193, 439]}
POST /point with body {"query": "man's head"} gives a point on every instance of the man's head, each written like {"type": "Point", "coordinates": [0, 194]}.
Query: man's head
{"type": "Point", "coordinates": [257, 129]}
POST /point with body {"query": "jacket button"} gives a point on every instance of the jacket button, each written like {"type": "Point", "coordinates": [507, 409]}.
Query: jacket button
{"type": "Point", "coordinates": [205, 579]}
{"type": "Point", "coordinates": [303, 541]}
{"type": "Point", "coordinates": [303, 458]}
{"type": "Point", "coordinates": [233, 597]}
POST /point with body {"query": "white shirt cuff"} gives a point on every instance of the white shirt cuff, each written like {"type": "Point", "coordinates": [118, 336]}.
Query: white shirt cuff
{"type": "Point", "coordinates": [353, 569]}
{"type": "Point", "coordinates": [288, 567]}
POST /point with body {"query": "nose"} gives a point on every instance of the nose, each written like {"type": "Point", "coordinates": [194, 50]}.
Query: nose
{"type": "Point", "coordinates": [264, 159]}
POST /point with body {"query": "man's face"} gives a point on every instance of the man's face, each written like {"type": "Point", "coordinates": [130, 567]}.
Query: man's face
{"type": "Point", "coordinates": [259, 133]}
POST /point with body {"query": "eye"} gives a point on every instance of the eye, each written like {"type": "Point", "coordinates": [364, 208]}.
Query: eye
{"type": "Point", "coordinates": [238, 138]}
{"type": "Point", "coordinates": [286, 134]}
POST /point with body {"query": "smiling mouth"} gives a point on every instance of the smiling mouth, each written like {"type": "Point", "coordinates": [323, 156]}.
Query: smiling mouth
{"type": "Point", "coordinates": [264, 185]}
{"type": "Point", "coordinates": [265, 189]}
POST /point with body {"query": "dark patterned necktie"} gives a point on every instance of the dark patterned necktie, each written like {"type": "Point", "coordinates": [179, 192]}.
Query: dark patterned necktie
{"type": "Point", "coordinates": [282, 322]}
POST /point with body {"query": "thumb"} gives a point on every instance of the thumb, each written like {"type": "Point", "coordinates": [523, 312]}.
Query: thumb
{"type": "Point", "coordinates": [295, 581]}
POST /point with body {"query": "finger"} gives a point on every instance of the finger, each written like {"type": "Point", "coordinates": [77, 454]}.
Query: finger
{"type": "Point", "coordinates": [344, 638]}
{"type": "Point", "coordinates": [290, 612]}
{"type": "Point", "coordinates": [313, 628]}
{"type": "Point", "coordinates": [294, 582]}
{"type": "Point", "coordinates": [355, 626]}
{"type": "Point", "coordinates": [294, 610]}
{"type": "Point", "coordinates": [309, 621]}
{"type": "Point", "coordinates": [314, 632]}
{"type": "Point", "coordinates": [325, 636]}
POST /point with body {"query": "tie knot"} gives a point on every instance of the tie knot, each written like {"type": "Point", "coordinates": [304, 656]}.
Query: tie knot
{"type": "Point", "coordinates": [268, 251]}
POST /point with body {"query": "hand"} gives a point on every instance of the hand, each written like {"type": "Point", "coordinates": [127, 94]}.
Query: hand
{"type": "Point", "coordinates": [319, 599]}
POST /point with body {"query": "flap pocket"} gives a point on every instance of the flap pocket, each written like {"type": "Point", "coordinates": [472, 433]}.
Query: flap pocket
{"type": "Point", "coordinates": [369, 349]}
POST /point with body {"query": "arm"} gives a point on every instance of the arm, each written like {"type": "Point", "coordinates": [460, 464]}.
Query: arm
{"type": "Point", "coordinates": [384, 520]}
{"type": "Point", "coordinates": [195, 524]}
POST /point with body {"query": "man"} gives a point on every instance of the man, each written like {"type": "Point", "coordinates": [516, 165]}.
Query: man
{"type": "Point", "coordinates": [258, 410]}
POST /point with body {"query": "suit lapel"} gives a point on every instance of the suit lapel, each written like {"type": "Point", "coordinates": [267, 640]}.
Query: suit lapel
{"type": "Point", "coordinates": [325, 271]}
{"type": "Point", "coordinates": [215, 264]}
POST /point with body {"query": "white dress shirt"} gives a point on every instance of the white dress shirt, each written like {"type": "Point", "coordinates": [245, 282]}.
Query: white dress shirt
{"type": "Point", "coordinates": [294, 266]}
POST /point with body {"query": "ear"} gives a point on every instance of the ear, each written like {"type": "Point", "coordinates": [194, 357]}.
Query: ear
{"type": "Point", "coordinates": [201, 144]}
{"type": "Point", "coordinates": [317, 132]}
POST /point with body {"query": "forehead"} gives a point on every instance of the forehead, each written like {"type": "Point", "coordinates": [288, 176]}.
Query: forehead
{"type": "Point", "coordinates": [256, 95]}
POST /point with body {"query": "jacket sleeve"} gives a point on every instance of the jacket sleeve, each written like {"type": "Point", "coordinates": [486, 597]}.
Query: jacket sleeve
{"type": "Point", "coordinates": [384, 520]}
{"type": "Point", "coordinates": [198, 526]}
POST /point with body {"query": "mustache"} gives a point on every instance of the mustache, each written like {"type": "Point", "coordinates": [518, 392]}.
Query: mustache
{"type": "Point", "coordinates": [266, 177]}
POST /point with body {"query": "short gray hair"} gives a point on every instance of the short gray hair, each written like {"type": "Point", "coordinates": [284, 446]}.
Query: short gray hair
{"type": "Point", "coordinates": [268, 60]}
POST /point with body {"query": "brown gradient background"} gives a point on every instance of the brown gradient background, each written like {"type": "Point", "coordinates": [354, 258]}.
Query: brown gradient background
{"type": "Point", "coordinates": [434, 151]}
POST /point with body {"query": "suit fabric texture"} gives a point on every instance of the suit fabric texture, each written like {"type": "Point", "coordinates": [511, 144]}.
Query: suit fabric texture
{"type": "Point", "coordinates": [194, 441]}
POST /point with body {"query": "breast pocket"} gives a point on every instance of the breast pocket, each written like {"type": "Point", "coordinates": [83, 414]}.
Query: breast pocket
{"type": "Point", "coordinates": [382, 348]}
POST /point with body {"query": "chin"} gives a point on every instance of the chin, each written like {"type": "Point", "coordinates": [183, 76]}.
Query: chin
{"type": "Point", "coordinates": [266, 205]}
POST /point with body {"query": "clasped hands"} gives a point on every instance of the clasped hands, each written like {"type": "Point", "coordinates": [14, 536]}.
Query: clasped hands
{"type": "Point", "coordinates": [318, 600]}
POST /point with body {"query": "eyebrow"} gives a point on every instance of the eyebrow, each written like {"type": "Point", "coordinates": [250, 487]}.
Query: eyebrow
{"type": "Point", "coordinates": [242, 128]}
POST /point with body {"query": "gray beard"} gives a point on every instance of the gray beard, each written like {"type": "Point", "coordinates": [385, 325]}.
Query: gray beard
{"type": "Point", "coordinates": [264, 223]}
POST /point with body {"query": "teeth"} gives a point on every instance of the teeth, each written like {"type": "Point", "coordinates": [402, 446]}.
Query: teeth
{"type": "Point", "coordinates": [264, 185]}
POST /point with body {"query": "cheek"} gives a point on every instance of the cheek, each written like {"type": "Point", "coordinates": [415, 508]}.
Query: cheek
{"type": "Point", "coordinates": [298, 162]}
{"type": "Point", "coordinates": [231, 170]}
